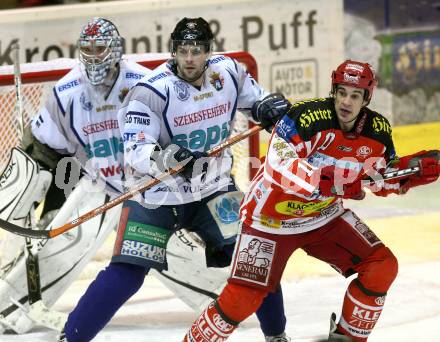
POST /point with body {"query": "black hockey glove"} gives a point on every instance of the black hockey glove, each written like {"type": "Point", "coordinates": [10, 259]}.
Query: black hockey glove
{"type": "Point", "coordinates": [174, 155]}
{"type": "Point", "coordinates": [269, 110]}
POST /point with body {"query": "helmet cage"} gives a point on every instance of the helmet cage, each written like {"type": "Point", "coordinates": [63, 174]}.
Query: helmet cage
{"type": "Point", "coordinates": [94, 51]}
{"type": "Point", "coordinates": [100, 49]}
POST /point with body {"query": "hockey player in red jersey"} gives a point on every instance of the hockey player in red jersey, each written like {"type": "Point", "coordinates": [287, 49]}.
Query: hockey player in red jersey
{"type": "Point", "coordinates": [318, 154]}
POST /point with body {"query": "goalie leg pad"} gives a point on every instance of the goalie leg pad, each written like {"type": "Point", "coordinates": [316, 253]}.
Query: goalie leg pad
{"type": "Point", "coordinates": [62, 259]}
{"type": "Point", "coordinates": [187, 275]}
{"type": "Point", "coordinates": [22, 183]}
{"type": "Point", "coordinates": [17, 320]}
{"type": "Point", "coordinates": [104, 296]}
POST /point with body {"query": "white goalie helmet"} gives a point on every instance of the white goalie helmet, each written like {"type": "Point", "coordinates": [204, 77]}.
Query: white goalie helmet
{"type": "Point", "coordinates": [100, 49]}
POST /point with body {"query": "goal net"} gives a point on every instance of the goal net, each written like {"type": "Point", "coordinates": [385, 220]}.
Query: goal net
{"type": "Point", "coordinates": [39, 78]}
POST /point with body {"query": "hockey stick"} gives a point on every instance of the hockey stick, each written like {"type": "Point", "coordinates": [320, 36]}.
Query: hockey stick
{"type": "Point", "coordinates": [394, 175]}
{"type": "Point", "coordinates": [18, 97]}
{"type": "Point", "coordinates": [49, 234]}
{"type": "Point", "coordinates": [44, 234]}
{"type": "Point", "coordinates": [32, 265]}
{"type": "Point", "coordinates": [411, 170]}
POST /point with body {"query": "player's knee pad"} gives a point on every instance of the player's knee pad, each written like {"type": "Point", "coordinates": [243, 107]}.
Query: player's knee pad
{"type": "Point", "coordinates": [238, 302]}
{"type": "Point", "coordinates": [379, 270]}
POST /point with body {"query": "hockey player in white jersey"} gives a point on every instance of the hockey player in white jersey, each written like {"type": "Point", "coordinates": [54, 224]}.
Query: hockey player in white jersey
{"type": "Point", "coordinates": [79, 119]}
{"type": "Point", "coordinates": [174, 115]}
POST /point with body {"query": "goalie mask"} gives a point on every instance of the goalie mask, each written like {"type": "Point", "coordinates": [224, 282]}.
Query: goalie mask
{"type": "Point", "coordinates": [100, 49]}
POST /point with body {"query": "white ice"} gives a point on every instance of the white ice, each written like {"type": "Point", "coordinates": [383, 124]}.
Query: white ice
{"type": "Point", "coordinates": [154, 314]}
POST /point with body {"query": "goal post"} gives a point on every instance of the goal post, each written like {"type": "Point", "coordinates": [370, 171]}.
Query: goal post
{"type": "Point", "coordinates": [38, 79]}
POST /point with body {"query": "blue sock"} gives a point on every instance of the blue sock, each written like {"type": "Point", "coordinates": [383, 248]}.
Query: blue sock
{"type": "Point", "coordinates": [271, 311]}
{"type": "Point", "coordinates": [104, 296]}
{"type": "Point", "coordinates": [271, 314]}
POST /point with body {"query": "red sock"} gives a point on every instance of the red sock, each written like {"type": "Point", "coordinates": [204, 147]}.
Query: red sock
{"type": "Point", "coordinates": [360, 313]}
{"type": "Point", "coordinates": [210, 326]}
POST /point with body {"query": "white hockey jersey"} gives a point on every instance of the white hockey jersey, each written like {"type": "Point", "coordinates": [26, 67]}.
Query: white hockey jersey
{"type": "Point", "coordinates": [163, 108]}
{"type": "Point", "coordinates": [81, 120]}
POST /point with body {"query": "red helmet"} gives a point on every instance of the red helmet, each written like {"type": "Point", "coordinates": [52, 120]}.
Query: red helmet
{"type": "Point", "coordinates": [355, 74]}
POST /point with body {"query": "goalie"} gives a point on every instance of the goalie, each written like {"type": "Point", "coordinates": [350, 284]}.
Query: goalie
{"type": "Point", "coordinates": [78, 119]}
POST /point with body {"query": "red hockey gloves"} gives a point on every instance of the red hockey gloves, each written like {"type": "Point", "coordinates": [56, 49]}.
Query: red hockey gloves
{"type": "Point", "coordinates": [269, 110]}
{"type": "Point", "coordinates": [174, 155]}
{"type": "Point", "coordinates": [332, 185]}
{"type": "Point", "coordinates": [428, 173]}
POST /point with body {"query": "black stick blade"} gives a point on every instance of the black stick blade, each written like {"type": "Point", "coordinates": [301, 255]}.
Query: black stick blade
{"type": "Point", "coordinates": [13, 228]}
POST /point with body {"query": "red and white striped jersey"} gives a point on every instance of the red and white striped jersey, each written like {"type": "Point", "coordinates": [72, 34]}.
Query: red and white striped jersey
{"type": "Point", "coordinates": [284, 196]}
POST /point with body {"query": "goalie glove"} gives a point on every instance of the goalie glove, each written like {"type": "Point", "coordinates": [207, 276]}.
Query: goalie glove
{"type": "Point", "coordinates": [269, 110]}
{"type": "Point", "coordinates": [429, 169]}
{"type": "Point", "coordinates": [174, 155]}
{"type": "Point", "coordinates": [331, 187]}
